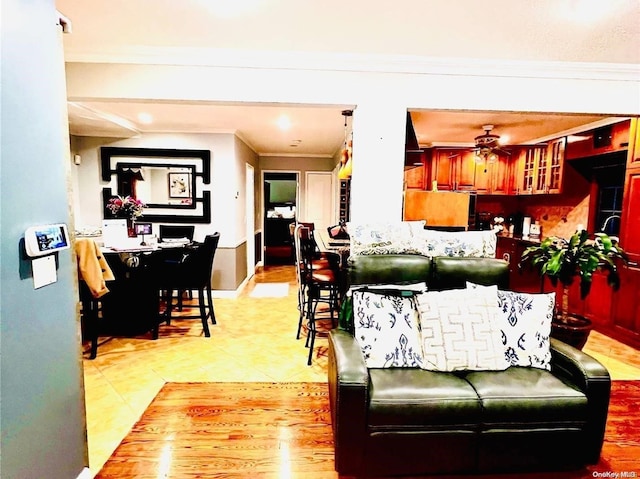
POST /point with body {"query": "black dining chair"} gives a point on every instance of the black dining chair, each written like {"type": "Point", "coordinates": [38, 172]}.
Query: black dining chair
{"type": "Point", "coordinates": [177, 232]}
{"type": "Point", "coordinates": [192, 272]}
{"type": "Point", "coordinates": [169, 232]}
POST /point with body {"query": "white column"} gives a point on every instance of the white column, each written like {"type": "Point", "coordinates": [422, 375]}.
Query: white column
{"type": "Point", "coordinates": [378, 161]}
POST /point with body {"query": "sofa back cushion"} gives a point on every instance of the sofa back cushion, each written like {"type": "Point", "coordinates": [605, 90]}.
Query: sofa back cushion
{"type": "Point", "coordinates": [388, 269]}
{"type": "Point", "coordinates": [453, 273]}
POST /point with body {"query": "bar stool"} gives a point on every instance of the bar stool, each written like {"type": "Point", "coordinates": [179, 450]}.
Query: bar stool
{"type": "Point", "coordinates": [320, 285]}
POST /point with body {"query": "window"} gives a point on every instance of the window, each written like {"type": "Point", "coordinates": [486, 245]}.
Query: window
{"type": "Point", "coordinates": [610, 180]}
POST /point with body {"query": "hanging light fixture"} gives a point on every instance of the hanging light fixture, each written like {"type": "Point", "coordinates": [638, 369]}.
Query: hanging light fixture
{"type": "Point", "coordinates": [487, 146]}
{"type": "Point", "coordinates": [345, 162]}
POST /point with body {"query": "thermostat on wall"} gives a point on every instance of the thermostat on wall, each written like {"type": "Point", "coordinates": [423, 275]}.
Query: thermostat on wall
{"type": "Point", "coordinates": [46, 239]}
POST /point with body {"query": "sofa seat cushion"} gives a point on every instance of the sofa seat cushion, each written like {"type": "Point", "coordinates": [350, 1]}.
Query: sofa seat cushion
{"type": "Point", "coordinates": [527, 397]}
{"type": "Point", "coordinates": [416, 399]}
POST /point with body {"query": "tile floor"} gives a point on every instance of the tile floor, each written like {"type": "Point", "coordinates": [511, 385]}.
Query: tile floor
{"type": "Point", "coordinates": [254, 340]}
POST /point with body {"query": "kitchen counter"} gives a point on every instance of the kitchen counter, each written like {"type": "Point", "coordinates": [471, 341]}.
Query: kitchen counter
{"type": "Point", "coordinates": [522, 239]}
{"type": "Point", "coordinates": [510, 248]}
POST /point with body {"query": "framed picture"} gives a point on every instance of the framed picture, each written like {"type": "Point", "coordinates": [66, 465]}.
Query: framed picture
{"type": "Point", "coordinates": [179, 185]}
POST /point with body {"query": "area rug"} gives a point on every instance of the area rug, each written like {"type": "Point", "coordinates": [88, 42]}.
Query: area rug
{"type": "Point", "coordinates": [283, 430]}
{"type": "Point", "coordinates": [270, 290]}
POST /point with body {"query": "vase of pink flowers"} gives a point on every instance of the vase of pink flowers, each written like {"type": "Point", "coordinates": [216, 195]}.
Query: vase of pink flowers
{"type": "Point", "coordinates": [126, 207]}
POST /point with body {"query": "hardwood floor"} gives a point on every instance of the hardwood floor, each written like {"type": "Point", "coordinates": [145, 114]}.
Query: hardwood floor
{"type": "Point", "coordinates": [283, 430]}
{"type": "Point", "coordinates": [254, 341]}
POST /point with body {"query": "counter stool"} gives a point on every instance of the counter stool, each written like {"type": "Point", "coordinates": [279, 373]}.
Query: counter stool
{"type": "Point", "coordinates": [320, 285]}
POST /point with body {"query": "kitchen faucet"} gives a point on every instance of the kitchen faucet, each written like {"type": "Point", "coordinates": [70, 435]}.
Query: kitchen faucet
{"type": "Point", "coordinates": [604, 225]}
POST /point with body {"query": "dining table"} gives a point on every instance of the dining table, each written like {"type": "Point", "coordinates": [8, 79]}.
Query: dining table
{"type": "Point", "coordinates": [133, 307]}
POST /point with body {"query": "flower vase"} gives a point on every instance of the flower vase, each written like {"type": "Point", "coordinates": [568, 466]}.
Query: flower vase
{"type": "Point", "coordinates": [131, 228]}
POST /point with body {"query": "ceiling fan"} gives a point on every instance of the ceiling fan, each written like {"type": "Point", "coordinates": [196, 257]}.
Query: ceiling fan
{"type": "Point", "coordinates": [488, 146]}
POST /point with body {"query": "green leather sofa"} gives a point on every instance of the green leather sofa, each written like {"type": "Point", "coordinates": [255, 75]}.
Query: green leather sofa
{"type": "Point", "coordinates": [410, 421]}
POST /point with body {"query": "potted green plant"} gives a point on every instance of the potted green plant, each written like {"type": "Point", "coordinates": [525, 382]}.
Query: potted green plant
{"type": "Point", "coordinates": [563, 261]}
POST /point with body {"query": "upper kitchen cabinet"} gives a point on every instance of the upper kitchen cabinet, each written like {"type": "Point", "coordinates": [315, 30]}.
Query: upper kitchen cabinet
{"type": "Point", "coordinates": [539, 169]}
{"type": "Point", "coordinates": [633, 157]}
{"type": "Point", "coordinates": [599, 141]}
{"type": "Point", "coordinates": [456, 169]}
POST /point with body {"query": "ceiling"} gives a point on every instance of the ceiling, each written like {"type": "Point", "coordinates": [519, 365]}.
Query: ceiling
{"type": "Point", "coordinates": [543, 31]}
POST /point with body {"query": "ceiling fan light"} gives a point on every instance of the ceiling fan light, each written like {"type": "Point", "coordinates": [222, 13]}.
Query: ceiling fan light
{"type": "Point", "coordinates": [493, 157]}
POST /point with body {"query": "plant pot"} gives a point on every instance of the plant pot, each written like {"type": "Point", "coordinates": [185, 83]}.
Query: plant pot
{"type": "Point", "coordinates": [571, 329]}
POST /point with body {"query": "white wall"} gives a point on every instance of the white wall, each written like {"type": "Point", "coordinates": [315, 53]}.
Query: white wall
{"type": "Point", "coordinates": [381, 92]}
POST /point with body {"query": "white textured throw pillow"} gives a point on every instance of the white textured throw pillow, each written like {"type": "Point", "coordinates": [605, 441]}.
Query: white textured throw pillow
{"type": "Point", "coordinates": [525, 325]}
{"type": "Point", "coordinates": [387, 329]}
{"type": "Point", "coordinates": [460, 331]}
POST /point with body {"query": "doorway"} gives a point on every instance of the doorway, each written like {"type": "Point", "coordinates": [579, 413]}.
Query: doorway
{"type": "Point", "coordinates": [280, 212]}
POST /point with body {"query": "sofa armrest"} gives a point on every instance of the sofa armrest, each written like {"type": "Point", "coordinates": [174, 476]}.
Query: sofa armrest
{"type": "Point", "coordinates": [592, 378]}
{"type": "Point", "coordinates": [348, 397]}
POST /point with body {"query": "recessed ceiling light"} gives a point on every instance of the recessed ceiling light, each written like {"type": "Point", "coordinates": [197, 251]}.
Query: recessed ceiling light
{"type": "Point", "coordinates": [145, 118]}
{"type": "Point", "coordinates": [284, 123]}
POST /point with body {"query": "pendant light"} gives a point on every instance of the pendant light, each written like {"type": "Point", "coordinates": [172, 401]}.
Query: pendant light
{"type": "Point", "coordinates": [345, 162]}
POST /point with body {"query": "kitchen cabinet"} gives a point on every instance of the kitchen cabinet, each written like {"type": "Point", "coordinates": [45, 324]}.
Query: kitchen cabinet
{"type": "Point", "coordinates": [443, 169]}
{"type": "Point", "coordinates": [597, 306]}
{"type": "Point", "coordinates": [525, 280]}
{"type": "Point", "coordinates": [500, 176]}
{"type": "Point", "coordinates": [414, 177]}
{"type": "Point", "coordinates": [554, 166]}
{"type": "Point", "coordinates": [626, 304]}
{"type": "Point", "coordinates": [456, 169]}
{"type": "Point", "coordinates": [453, 169]}
{"type": "Point", "coordinates": [539, 169]}
{"type": "Point", "coordinates": [633, 156]}
{"type": "Point", "coordinates": [600, 141]}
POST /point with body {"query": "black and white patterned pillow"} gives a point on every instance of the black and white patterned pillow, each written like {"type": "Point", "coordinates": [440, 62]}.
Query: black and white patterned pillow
{"type": "Point", "coordinates": [525, 326]}
{"type": "Point", "coordinates": [387, 329]}
{"type": "Point", "coordinates": [460, 331]}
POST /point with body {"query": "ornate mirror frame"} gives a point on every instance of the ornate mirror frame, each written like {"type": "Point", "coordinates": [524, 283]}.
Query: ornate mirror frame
{"type": "Point", "coordinates": [196, 164]}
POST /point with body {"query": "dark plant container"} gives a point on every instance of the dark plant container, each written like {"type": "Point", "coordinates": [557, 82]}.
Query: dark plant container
{"type": "Point", "coordinates": [571, 329]}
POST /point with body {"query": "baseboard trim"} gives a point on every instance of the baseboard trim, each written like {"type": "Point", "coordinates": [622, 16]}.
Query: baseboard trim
{"type": "Point", "coordinates": [229, 293]}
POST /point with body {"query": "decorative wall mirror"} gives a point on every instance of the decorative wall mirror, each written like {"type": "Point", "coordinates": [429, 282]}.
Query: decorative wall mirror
{"type": "Point", "coordinates": [170, 182]}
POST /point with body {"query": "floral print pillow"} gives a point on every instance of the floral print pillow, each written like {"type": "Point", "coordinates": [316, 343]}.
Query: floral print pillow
{"type": "Point", "coordinates": [385, 238]}
{"type": "Point", "coordinates": [387, 329]}
{"type": "Point", "coordinates": [478, 244]}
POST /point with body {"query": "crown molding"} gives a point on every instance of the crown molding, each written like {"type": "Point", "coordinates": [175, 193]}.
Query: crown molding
{"type": "Point", "coordinates": [351, 62]}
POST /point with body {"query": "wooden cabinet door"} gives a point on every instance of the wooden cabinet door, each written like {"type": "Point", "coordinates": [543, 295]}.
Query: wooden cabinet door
{"type": "Point", "coordinates": [414, 177]}
{"type": "Point", "coordinates": [443, 168]}
{"type": "Point", "coordinates": [630, 221]}
{"type": "Point", "coordinates": [633, 158]}
{"type": "Point", "coordinates": [555, 165]}
{"type": "Point", "coordinates": [465, 170]}
{"type": "Point", "coordinates": [598, 303]}
{"type": "Point", "coordinates": [483, 180]}
{"type": "Point", "coordinates": [500, 177]}
{"type": "Point", "coordinates": [626, 308]}
{"type": "Point", "coordinates": [525, 171]}
{"type": "Point", "coordinates": [541, 170]}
